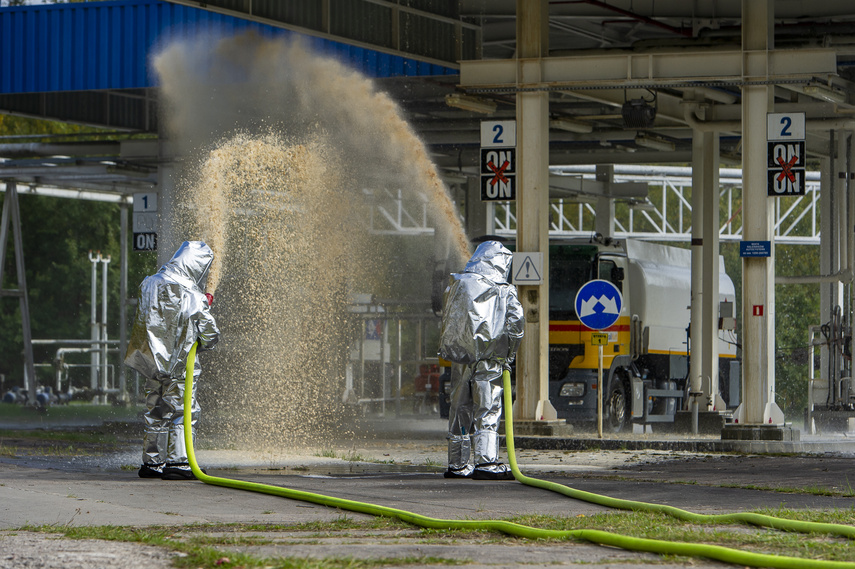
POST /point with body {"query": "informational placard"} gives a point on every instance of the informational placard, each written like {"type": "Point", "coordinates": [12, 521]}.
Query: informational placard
{"type": "Point", "coordinates": [527, 269]}
{"type": "Point", "coordinates": [498, 160]}
{"type": "Point", "coordinates": [145, 223]}
{"type": "Point", "coordinates": [785, 133]}
{"type": "Point", "coordinates": [599, 339]}
{"type": "Point", "coordinates": [755, 248]}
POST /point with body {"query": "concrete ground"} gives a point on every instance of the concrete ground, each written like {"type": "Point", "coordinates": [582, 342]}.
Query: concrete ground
{"type": "Point", "coordinates": [402, 472]}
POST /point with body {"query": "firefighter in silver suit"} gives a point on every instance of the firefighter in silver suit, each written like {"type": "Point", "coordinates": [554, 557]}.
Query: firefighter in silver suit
{"type": "Point", "coordinates": [173, 313]}
{"type": "Point", "coordinates": [482, 327]}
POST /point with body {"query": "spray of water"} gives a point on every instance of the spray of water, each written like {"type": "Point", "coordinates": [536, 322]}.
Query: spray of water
{"type": "Point", "coordinates": [287, 152]}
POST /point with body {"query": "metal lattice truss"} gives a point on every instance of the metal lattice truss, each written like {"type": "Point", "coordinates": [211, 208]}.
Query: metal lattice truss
{"type": "Point", "coordinates": [667, 213]}
{"type": "Point", "coordinates": [397, 212]}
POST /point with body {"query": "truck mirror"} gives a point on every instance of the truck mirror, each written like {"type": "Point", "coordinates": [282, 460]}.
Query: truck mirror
{"type": "Point", "coordinates": [617, 274]}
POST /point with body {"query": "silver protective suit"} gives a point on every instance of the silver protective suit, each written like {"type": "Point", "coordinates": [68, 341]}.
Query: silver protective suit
{"type": "Point", "coordinates": [482, 327]}
{"type": "Point", "coordinates": [172, 313]}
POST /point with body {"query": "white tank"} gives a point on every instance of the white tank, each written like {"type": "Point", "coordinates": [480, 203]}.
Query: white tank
{"type": "Point", "coordinates": [660, 284]}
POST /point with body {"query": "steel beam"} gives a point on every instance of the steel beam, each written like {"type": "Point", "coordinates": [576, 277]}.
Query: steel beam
{"type": "Point", "coordinates": [626, 70]}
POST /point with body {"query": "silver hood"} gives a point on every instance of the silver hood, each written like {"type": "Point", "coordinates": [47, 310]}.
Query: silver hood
{"type": "Point", "coordinates": [482, 318]}
{"type": "Point", "coordinates": [172, 314]}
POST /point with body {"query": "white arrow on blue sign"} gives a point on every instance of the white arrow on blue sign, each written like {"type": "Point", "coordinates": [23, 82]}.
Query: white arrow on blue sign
{"type": "Point", "coordinates": [598, 304]}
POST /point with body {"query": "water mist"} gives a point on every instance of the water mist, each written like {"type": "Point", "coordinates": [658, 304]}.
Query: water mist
{"type": "Point", "coordinates": [284, 152]}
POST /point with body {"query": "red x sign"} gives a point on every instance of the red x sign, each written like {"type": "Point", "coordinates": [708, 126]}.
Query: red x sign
{"type": "Point", "coordinates": [787, 168]}
{"type": "Point", "coordinates": [499, 172]}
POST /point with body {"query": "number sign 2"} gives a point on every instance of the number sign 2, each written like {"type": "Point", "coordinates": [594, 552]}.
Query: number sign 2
{"type": "Point", "coordinates": [785, 126]}
{"type": "Point", "coordinates": [498, 134]}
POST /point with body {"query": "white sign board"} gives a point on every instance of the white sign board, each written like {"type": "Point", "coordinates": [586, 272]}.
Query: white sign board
{"type": "Point", "coordinates": [145, 222]}
{"type": "Point", "coordinates": [498, 134]}
{"type": "Point", "coordinates": [145, 202]}
{"type": "Point", "coordinates": [785, 126]}
{"type": "Point", "coordinates": [527, 269]}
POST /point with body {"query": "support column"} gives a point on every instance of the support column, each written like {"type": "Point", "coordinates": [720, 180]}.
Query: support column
{"type": "Point", "coordinates": [168, 239]}
{"type": "Point", "coordinates": [758, 406]}
{"type": "Point", "coordinates": [123, 301]}
{"type": "Point", "coordinates": [11, 219]}
{"type": "Point", "coordinates": [532, 372]}
{"type": "Point", "coordinates": [705, 271]}
{"type": "Point", "coordinates": [710, 268]}
{"type": "Point", "coordinates": [696, 346]}
{"type": "Point", "coordinates": [604, 224]}
{"type": "Point", "coordinates": [831, 292]}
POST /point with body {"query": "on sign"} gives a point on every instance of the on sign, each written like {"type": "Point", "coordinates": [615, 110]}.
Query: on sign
{"type": "Point", "coordinates": [498, 166]}
{"type": "Point", "coordinates": [786, 168]}
{"type": "Point", "coordinates": [145, 241]}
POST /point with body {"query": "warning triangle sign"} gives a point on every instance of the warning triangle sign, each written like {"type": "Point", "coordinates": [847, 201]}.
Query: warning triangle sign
{"type": "Point", "coordinates": [527, 271]}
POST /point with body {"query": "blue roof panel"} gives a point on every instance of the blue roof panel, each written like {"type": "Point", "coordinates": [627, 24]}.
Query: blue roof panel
{"type": "Point", "coordinates": [107, 45]}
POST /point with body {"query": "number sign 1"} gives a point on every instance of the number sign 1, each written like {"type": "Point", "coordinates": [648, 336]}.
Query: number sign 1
{"type": "Point", "coordinates": [498, 134]}
{"type": "Point", "coordinates": [785, 126]}
{"type": "Point", "coordinates": [145, 202]}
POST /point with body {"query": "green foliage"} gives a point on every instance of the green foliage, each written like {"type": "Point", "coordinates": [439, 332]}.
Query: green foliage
{"type": "Point", "coordinates": [797, 308]}
{"type": "Point", "coordinates": [57, 235]}
{"type": "Point", "coordinates": [20, 126]}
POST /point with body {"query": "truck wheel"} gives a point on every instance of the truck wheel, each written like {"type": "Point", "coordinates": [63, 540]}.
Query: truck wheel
{"type": "Point", "coordinates": [616, 407]}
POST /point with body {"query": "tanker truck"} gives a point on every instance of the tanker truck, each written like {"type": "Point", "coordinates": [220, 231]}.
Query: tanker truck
{"type": "Point", "coordinates": [646, 360]}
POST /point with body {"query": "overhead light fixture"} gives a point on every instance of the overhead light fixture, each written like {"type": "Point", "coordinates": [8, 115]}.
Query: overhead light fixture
{"type": "Point", "coordinates": [469, 103]}
{"type": "Point", "coordinates": [568, 124]}
{"type": "Point", "coordinates": [643, 204]}
{"type": "Point", "coordinates": [638, 113]}
{"type": "Point", "coordinates": [654, 142]}
{"type": "Point", "coordinates": [820, 91]}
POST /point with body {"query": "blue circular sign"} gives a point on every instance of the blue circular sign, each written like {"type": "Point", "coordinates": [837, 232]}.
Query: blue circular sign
{"type": "Point", "coordinates": [598, 304]}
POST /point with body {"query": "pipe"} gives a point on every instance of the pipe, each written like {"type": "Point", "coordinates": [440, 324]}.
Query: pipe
{"type": "Point", "coordinates": [104, 261]}
{"type": "Point", "coordinates": [736, 125]}
{"type": "Point", "coordinates": [638, 17]}
{"type": "Point", "coordinates": [95, 332]}
{"type": "Point", "coordinates": [594, 536]}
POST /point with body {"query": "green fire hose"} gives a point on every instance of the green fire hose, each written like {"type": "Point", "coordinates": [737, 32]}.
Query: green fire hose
{"type": "Point", "coordinates": [594, 536]}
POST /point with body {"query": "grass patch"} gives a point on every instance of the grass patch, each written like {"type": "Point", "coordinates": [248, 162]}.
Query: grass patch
{"type": "Point", "coordinates": [813, 490]}
{"type": "Point", "coordinates": [57, 436]}
{"type": "Point", "coordinates": [200, 548]}
{"type": "Point", "coordinates": [351, 456]}
{"type": "Point", "coordinates": [209, 552]}
{"type": "Point", "coordinates": [742, 537]}
{"type": "Point", "coordinates": [77, 411]}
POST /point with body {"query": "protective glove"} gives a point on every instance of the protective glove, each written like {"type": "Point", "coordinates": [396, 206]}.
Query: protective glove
{"type": "Point", "coordinates": [210, 298]}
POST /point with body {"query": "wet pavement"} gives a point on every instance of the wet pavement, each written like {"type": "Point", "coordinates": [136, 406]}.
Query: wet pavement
{"type": "Point", "coordinates": [405, 473]}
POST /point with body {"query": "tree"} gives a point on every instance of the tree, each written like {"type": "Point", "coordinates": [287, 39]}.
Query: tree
{"type": "Point", "coordinates": [57, 235]}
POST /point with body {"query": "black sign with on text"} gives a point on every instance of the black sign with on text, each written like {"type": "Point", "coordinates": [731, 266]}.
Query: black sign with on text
{"type": "Point", "coordinates": [786, 168]}
{"type": "Point", "coordinates": [145, 241]}
{"type": "Point", "coordinates": [498, 174]}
